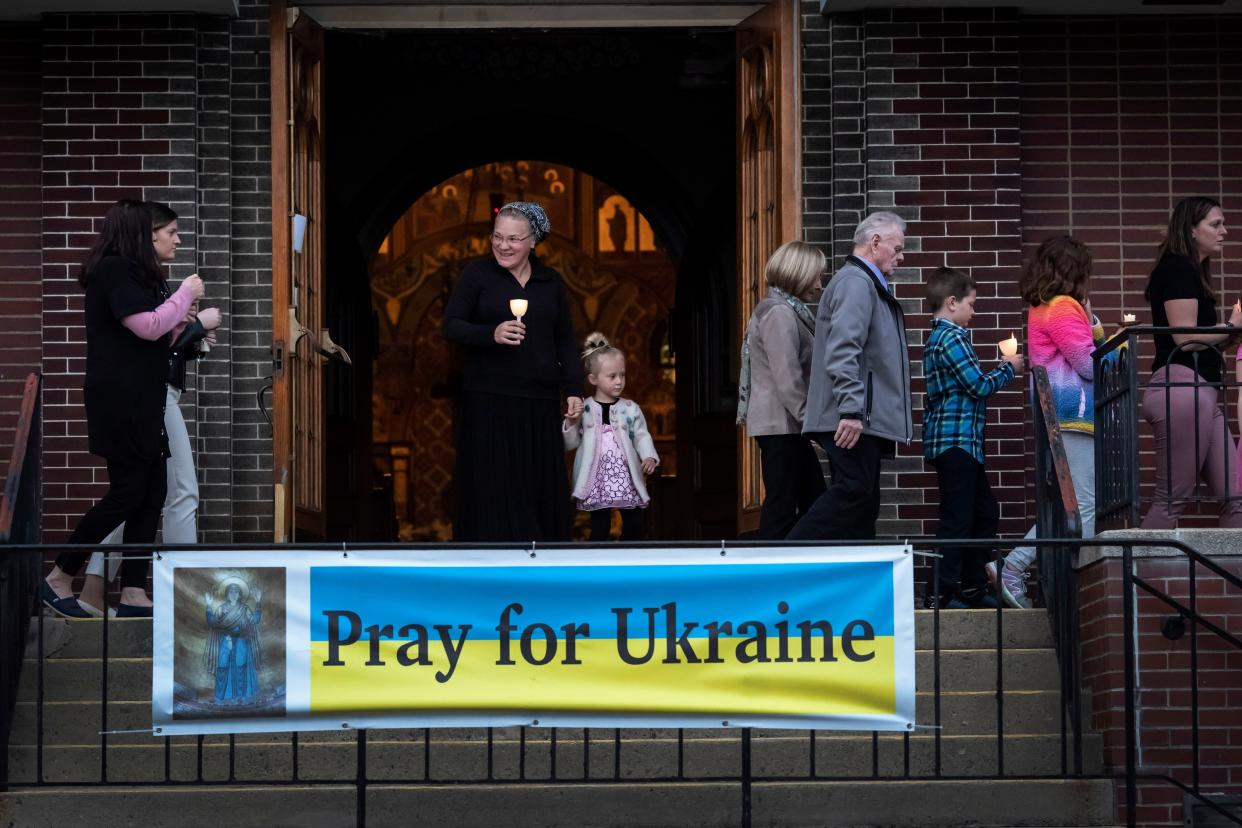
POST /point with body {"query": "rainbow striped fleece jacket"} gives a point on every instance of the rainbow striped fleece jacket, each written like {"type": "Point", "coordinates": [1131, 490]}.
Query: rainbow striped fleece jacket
{"type": "Point", "coordinates": [1061, 338]}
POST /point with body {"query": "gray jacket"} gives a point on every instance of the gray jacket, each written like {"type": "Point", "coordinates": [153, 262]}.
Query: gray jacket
{"type": "Point", "coordinates": [780, 362]}
{"type": "Point", "coordinates": [861, 367]}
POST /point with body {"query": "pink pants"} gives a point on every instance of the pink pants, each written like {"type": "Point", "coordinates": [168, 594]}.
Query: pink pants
{"type": "Point", "coordinates": [1176, 416]}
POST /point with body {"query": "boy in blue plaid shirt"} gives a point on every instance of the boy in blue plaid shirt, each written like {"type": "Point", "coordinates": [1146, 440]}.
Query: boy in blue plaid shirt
{"type": "Point", "coordinates": [953, 419]}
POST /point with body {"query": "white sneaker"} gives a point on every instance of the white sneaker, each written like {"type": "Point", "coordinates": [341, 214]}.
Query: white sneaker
{"type": "Point", "coordinates": [1013, 584]}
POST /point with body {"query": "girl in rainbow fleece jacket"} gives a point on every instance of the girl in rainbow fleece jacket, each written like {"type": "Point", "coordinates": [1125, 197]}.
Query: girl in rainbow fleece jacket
{"type": "Point", "coordinates": [1061, 334]}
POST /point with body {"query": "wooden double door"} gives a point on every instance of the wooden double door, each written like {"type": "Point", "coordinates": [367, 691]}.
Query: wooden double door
{"type": "Point", "coordinates": [768, 192]}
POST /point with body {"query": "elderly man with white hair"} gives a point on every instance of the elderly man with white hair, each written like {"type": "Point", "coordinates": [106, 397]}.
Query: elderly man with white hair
{"type": "Point", "coordinates": [858, 400]}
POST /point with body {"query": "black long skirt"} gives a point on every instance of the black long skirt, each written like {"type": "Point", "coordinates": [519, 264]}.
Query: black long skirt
{"type": "Point", "coordinates": [510, 472]}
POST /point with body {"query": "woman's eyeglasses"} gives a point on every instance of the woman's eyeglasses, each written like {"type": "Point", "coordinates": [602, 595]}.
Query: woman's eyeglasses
{"type": "Point", "coordinates": [499, 239]}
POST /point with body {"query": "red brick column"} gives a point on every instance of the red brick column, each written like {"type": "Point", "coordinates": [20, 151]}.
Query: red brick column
{"type": "Point", "coordinates": [21, 291]}
{"type": "Point", "coordinates": [1164, 694]}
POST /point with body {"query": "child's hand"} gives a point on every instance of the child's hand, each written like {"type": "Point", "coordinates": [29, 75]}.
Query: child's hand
{"type": "Point", "coordinates": [1015, 360]}
{"type": "Point", "coordinates": [649, 465]}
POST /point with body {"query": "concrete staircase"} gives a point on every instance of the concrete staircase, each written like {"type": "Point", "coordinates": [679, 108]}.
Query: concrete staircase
{"type": "Point", "coordinates": [863, 782]}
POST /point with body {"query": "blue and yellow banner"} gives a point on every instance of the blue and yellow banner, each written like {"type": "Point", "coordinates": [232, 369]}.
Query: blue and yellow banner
{"type": "Point", "coordinates": [686, 637]}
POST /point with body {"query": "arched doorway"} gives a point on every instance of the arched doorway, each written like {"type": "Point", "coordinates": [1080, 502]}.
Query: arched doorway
{"type": "Point", "coordinates": [619, 277]}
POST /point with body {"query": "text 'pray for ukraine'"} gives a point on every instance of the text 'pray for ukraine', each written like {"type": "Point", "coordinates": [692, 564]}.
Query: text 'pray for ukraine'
{"type": "Point", "coordinates": [662, 634]}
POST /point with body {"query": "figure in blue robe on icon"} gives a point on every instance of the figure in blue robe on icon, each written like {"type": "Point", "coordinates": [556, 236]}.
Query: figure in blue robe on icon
{"type": "Point", "coordinates": [232, 653]}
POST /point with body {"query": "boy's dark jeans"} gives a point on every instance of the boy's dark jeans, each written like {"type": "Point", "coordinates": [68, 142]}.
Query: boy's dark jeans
{"type": "Point", "coordinates": [968, 510]}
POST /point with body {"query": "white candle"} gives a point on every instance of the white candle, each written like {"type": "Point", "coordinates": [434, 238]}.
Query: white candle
{"type": "Point", "coordinates": [1009, 347]}
{"type": "Point", "coordinates": [1128, 319]}
{"type": "Point", "coordinates": [518, 308]}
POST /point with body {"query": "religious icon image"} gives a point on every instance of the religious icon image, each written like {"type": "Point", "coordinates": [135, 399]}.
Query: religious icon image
{"type": "Point", "coordinates": [230, 634]}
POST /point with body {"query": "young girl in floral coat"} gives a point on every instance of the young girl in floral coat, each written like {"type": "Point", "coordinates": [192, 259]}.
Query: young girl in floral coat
{"type": "Point", "coordinates": [615, 450]}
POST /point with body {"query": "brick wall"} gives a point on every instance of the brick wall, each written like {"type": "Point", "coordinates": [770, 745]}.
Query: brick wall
{"type": "Point", "coordinates": [250, 438]}
{"type": "Point", "coordinates": [171, 108]}
{"type": "Point", "coordinates": [1163, 676]}
{"type": "Point", "coordinates": [1121, 118]}
{"type": "Point", "coordinates": [118, 115]}
{"type": "Point", "coordinates": [917, 111]}
{"type": "Point", "coordinates": [210, 381]}
{"type": "Point", "coordinates": [20, 283]}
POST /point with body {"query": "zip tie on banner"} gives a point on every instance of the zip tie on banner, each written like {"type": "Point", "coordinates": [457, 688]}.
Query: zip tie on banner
{"type": "Point", "coordinates": [532, 549]}
{"type": "Point", "coordinates": [136, 730]}
{"type": "Point", "coordinates": [344, 549]}
{"type": "Point", "coordinates": [928, 727]}
{"type": "Point", "coordinates": [723, 553]}
{"type": "Point", "coordinates": [929, 554]}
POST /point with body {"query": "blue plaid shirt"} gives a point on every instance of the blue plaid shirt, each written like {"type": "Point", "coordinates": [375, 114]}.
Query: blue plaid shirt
{"type": "Point", "coordinates": [955, 409]}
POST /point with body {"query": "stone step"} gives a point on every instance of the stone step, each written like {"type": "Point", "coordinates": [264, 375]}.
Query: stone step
{"type": "Point", "coordinates": [961, 713]}
{"type": "Point", "coordinates": [814, 804]}
{"type": "Point", "coordinates": [959, 630]}
{"type": "Point", "coordinates": [774, 754]}
{"type": "Point", "coordinates": [129, 679]}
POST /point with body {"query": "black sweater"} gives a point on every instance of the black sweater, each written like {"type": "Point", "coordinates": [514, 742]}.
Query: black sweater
{"type": "Point", "coordinates": [546, 364]}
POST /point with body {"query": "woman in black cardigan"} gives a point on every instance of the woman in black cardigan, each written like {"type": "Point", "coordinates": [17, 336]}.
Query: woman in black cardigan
{"type": "Point", "coordinates": [510, 474]}
{"type": "Point", "coordinates": [129, 314]}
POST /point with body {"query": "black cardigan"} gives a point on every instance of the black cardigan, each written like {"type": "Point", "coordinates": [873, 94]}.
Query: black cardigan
{"type": "Point", "coordinates": [546, 365]}
{"type": "Point", "coordinates": [124, 384]}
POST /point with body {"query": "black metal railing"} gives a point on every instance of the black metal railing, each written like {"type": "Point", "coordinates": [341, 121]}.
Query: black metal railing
{"type": "Point", "coordinates": [550, 755]}
{"type": "Point", "coordinates": [1124, 391]}
{"type": "Point", "coordinates": [19, 571]}
{"type": "Point", "coordinates": [1187, 613]}
{"type": "Point", "coordinates": [547, 755]}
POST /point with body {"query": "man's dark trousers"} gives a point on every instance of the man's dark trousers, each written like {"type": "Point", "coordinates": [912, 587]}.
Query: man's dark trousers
{"type": "Point", "coordinates": [968, 510]}
{"type": "Point", "coordinates": [849, 508]}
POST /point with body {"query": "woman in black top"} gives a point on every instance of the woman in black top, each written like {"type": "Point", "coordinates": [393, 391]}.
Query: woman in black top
{"type": "Point", "coordinates": [1182, 401]}
{"type": "Point", "coordinates": [128, 316]}
{"type": "Point", "coordinates": [510, 470]}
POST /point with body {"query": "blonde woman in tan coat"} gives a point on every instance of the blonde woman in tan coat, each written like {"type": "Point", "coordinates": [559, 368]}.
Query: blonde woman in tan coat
{"type": "Point", "coordinates": [776, 364]}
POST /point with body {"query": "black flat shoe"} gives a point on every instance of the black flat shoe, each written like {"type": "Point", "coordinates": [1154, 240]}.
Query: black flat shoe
{"type": "Point", "coordinates": [130, 611]}
{"type": "Point", "coordinates": [64, 607]}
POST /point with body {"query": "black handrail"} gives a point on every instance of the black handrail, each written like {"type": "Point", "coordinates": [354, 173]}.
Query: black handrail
{"type": "Point", "coordinates": [19, 568]}
{"type": "Point", "coordinates": [1131, 581]}
{"type": "Point", "coordinates": [1057, 516]}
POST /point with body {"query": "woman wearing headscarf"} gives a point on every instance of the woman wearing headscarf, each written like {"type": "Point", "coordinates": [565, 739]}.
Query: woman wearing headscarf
{"type": "Point", "coordinates": [510, 471]}
{"type": "Point", "coordinates": [776, 365]}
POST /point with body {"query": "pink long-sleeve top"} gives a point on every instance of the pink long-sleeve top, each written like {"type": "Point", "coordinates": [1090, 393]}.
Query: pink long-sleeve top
{"type": "Point", "coordinates": [151, 325]}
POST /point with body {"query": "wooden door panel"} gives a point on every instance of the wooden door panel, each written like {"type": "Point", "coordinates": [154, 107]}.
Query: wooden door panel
{"type": "Point", "coordinates": [297, 273]}
{"type": "Point", "coordinates": [769, 184]}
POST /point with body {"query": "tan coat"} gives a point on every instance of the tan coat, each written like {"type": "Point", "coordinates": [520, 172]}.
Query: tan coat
{"type": "Point", "coordinates": [780, 363]}
{"type": "Point", "coordinates": [631, 429]}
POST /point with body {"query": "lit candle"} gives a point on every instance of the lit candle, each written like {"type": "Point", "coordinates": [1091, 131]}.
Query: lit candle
{"type": "Point", "coordinates": [518, 308]}
{"type": "Point", "coordinates": [1009, 347]}
{"type": "Point", "coordinates": [1128, 319]}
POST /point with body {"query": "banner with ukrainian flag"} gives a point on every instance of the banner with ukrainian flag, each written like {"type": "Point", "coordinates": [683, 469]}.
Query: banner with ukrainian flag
{"type": "Point", "coordinates": [805, 637]}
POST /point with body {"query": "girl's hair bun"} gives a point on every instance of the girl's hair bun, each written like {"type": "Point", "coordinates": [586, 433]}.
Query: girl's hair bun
{"type": "Point", "coordinates": [594, 342]}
